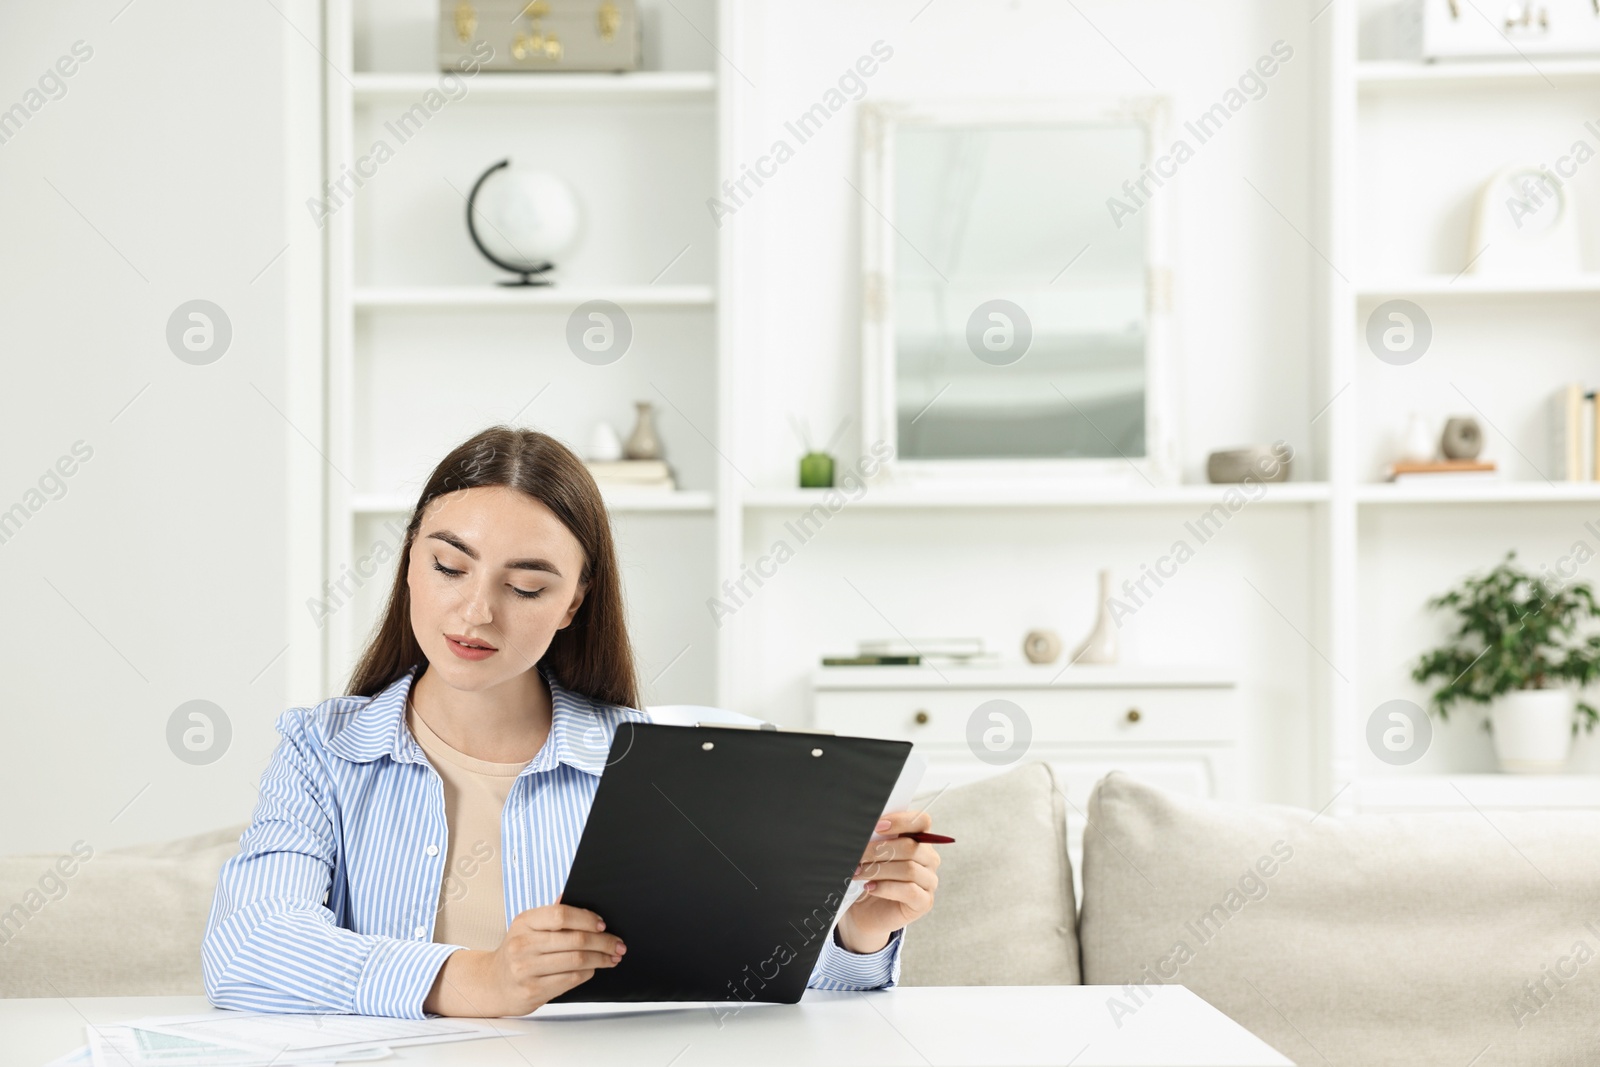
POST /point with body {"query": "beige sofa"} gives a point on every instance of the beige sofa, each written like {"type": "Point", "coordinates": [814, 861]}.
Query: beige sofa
{"type": "Point", "coordinates": [1426, 939]}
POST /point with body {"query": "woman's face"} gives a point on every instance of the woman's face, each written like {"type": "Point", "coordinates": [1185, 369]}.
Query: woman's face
{"type": "Point", "coordinates": [491, 567]}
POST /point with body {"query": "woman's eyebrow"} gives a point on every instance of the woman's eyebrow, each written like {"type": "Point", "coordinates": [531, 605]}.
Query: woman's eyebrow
{"type": "Point", "coordinates": [471, 553]}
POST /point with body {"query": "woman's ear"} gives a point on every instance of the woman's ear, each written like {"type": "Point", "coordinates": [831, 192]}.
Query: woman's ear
{"type": "Point", "coordinates": [572, 609]}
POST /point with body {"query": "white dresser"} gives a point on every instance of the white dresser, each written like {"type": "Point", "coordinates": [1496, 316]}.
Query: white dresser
{"type": "Point", "coordinates": [1177, 728]}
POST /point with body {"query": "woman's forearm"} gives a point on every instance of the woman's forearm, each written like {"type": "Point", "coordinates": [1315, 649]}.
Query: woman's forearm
{"type": "Point", "coordinates": [458, 989]}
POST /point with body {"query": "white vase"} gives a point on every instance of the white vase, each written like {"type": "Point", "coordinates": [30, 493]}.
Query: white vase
{"type": "Point", "coordinates": [1101, 644]}
{"type": "Point", "coordinates": [1533, 730]}
{"type": "Point", "coordinates": [1418, 443]}
{"type": "Point", "coordinates": [604, 444]}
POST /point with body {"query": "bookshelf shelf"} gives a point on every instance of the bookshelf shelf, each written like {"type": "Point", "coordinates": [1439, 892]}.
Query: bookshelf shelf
{"type": "Point", "coordinates": [561, 297]}
{"type": "Point", "coordinates": [1469, 285]}
{"type": "Point", "coordinates": [906, 498]}
{"type": "Point", "coordinates": [1486, 491]}
{"type": "Point", "coordinates": [616, 500]}
{"type": "Point", "coordinates": [645, 85]}
{"type": "Point", "coordinates": [1388, 76]}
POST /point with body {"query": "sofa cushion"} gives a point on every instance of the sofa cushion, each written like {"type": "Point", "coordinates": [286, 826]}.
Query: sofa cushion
{"type": "Point", "coordinates": [1463, 938]}
{"type": "Point", "coordinates": [1004, 911]}
{"type": "Point", "coordinates": [126, 922]}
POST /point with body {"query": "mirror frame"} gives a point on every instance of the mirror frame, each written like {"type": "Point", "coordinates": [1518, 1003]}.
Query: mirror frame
{"type": "Point", "coordinates": [879, 123]}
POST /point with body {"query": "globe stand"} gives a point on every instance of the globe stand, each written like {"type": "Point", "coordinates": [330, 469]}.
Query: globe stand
{"type": "Point", "coordinates": [526, 275]}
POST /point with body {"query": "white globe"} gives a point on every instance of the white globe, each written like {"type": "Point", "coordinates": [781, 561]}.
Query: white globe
{"type": "Point", "coordinates": [525, 218]}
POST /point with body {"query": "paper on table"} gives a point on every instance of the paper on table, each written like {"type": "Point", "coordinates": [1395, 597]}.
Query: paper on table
{"type": "Point", "coordinates": [78, 1057]}
{"type": "Point", "coordinates": [254, 1039]}
{"type": "Point", "coordinates": [324, 1035]}
{"type": "Point", "coordinates": [129, 1045]}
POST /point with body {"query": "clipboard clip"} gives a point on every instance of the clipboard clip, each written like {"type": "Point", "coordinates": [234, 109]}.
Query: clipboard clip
{"type": "Point", "coordinates": [702, 715]}
{"type": "Point", "coordinates": [773, 727]}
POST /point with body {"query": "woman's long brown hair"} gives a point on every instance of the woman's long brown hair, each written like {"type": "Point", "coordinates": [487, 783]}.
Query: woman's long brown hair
{"type": "Point", "coordinates": [591, 655]}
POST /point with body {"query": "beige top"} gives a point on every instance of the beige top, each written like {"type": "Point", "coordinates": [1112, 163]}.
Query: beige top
{"type": "Point", "coordinates": [472, 897]}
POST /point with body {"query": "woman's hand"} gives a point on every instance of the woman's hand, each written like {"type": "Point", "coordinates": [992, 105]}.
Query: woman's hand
{"type": "Point", "coordinates": [900, 878]}
{"type": "Point", "coordinates": [546, 952]}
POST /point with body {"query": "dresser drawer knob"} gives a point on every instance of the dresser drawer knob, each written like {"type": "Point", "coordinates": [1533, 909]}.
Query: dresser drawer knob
{"type": "Point", "coordinates": [921, 717]}
{"type": "Point", "coordinates": [1133, 715]}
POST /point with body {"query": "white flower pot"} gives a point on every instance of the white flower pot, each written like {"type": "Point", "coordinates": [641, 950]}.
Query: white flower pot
{"type": "Point", "coordinates": [1533, 730]}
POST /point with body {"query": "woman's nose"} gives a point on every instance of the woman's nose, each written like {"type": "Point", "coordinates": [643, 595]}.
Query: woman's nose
{"type": "Point", "coordinates": [475, 607]}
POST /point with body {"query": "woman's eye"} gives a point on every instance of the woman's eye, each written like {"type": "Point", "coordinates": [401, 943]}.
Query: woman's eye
{"type": "Point", "coordinates": [525, 594]}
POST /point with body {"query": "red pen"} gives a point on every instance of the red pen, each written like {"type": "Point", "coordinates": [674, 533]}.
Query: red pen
{"type": "Point", "coordinates": [930, 839]}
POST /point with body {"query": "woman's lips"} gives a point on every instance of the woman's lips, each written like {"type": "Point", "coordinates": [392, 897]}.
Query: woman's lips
{"type": "Point", "coordinates": [467, 652]}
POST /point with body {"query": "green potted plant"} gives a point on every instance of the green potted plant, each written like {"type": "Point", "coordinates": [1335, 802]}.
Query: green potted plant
{"type": "Point", "coordinates": [1521, 646]}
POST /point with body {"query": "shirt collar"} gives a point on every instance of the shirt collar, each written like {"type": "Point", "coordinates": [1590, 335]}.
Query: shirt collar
{"type": "Point", "coordinates": [580, 734]}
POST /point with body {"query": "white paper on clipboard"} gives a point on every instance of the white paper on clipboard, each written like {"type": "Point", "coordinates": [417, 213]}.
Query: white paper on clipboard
{"type": "Point", "coordinates": [905, 788]}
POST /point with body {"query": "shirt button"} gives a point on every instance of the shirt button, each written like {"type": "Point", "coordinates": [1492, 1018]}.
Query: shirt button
{"type": "Point", "coordinates": [421, 932]}
{"type": "Point", "coordinates": [432, 850]}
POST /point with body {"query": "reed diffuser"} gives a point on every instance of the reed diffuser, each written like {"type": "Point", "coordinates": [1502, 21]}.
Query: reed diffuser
{"type": "Point", "coordinates": [816, 465]}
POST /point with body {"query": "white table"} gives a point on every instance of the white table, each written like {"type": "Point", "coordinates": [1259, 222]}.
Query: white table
{"type": "Point", "coordinates": [912, 1026]}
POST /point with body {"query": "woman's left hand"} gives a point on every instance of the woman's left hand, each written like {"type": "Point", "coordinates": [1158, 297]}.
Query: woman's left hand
{"type": "Point", "coordinates": [900, 878]}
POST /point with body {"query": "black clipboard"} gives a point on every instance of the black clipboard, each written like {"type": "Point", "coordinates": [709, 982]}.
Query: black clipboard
{"type": "Point", "coordinates": [721, 856]}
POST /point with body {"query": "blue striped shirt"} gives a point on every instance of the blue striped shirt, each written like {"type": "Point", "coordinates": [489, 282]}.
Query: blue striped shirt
{"type": "Point", "coordinates": [330, 902]}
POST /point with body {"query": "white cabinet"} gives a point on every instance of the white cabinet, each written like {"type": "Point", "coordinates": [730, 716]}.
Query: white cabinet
{"type": "Point", "coordinates": [1177, 729]}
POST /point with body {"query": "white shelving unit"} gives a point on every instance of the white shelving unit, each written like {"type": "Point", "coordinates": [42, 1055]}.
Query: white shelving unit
{"type": "Point", "coordinates": [1407, 144]}
{"type": "Point", "coordinates": [422, 344]}
{"type": "Point", "coordinates": [424, 347]}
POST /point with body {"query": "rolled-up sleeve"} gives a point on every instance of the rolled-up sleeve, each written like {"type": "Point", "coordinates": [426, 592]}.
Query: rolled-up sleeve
{"type": "Point", "coordinates": [839, 968]}
{"type": "Point", "coordinates": [271, 942]}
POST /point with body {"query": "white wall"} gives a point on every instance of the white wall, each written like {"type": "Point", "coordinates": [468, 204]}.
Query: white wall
{"type": "Point", "coordinates": [1242, 290]}
{"type": "Point", "coordinates": [159, 576]}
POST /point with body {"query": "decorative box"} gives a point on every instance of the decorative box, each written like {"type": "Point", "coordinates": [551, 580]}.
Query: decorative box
{"type": "Point", "coordinates": [1499, 29]}
{"type": "Point", "coordinates": [592, 35]}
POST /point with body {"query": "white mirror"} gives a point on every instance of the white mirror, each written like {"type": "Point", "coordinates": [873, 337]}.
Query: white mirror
{"type": "Point", "coordinates": [1015, 319]}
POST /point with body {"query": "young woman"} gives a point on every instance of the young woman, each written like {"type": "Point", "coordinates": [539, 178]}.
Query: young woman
{"type": "Point", "coordinates": [411, 840]}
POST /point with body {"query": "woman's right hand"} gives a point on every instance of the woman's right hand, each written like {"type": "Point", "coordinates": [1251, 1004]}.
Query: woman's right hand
{"type": "Point", "coordinates": [546, 952]}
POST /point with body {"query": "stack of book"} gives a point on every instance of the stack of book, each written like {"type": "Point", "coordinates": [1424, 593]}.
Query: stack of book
{"type": "Point", "coordinates": [631, 475]}
{"type": "Point", "coordinates": [1576, 435]}
{"type": "Point", "coordinates": [960, 651]}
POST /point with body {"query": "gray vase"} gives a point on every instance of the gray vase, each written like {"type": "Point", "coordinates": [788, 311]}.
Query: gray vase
{"type": "Point", "coordinates": [643, 442]}
{"type": "Point", "coordinates": [1462, 438]}
{"type": "Point", "coordinates": [1233, 465]}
